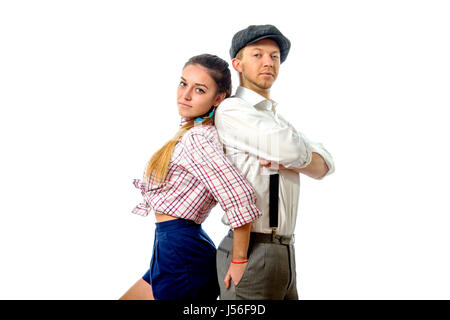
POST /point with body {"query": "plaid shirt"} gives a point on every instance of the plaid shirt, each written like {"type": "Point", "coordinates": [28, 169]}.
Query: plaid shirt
{"type": "Point", "coordinates": [199, 177]}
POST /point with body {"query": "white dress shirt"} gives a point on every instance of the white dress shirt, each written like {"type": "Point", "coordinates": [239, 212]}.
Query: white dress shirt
{"type": "Point", "coordinates": [251, 129]}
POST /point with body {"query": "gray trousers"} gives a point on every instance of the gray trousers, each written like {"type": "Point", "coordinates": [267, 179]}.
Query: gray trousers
{"type": "Point", "coordinates": [270, 272]}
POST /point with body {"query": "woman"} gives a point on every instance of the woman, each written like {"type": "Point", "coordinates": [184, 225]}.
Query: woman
{"type": "Point", "coordinates": [183, 181]}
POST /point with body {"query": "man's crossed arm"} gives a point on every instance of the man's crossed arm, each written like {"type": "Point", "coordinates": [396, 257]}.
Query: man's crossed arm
{"type": "Point", "coordinates": [316, 169]}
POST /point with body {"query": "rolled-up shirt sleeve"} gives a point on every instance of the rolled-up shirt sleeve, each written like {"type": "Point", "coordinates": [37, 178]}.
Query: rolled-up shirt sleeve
{"type": "Point", "coordinates": [207, 161]}
{"type": "Point", "coordinates": [318, 148]}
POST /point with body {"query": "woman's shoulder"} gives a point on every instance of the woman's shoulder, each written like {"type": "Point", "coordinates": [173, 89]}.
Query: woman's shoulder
{"type": "Point", "coordinates": [207, 132]}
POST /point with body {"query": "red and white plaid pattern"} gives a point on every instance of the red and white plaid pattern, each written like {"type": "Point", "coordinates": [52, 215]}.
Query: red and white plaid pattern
{"type": "Point", "coordinates": [199, 177]}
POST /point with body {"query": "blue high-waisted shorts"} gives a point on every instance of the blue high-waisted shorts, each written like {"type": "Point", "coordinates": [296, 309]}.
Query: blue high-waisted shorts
{"type": "Point", "coordinates": [183, 264]}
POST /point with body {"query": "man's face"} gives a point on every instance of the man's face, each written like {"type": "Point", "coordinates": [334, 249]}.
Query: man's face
{"type": "Point", "coordinates": [260, 64]}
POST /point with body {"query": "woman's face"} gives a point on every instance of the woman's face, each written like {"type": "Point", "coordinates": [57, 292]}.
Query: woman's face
{"type": "Point", "coordinates": [196, 92]}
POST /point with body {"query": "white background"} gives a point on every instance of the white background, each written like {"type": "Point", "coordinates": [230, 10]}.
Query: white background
{"type": "Point", "coordinates": [87, 95]}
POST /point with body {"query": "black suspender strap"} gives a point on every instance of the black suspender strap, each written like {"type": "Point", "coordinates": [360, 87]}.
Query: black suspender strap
{"type": "Point", "coordinates": [273, 200]}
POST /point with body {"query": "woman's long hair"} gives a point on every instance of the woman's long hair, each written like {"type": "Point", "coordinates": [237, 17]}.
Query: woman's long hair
{"type": "Point", "coordinates": [217, 68]}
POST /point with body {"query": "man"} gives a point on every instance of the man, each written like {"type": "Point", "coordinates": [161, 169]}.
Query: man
{"type": "Point", "coordinates": [271, 154]}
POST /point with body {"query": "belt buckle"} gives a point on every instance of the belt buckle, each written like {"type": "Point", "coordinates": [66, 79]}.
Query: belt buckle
{"type": "Point", "coordinates": [274, 233]}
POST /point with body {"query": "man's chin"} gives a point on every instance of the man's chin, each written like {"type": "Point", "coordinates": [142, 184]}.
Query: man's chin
{"type": "Point", "coordinates": [265, 85]}
{"type": "Point", "coordinates": [261, 84]}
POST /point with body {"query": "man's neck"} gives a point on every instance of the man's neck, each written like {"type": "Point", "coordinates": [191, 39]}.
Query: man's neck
{"type": "Point", "coordinates": [263, 92]}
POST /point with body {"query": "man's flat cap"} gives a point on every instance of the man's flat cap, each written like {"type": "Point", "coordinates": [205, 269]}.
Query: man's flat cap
{"type": "Point", "coordinates": [255, 33]}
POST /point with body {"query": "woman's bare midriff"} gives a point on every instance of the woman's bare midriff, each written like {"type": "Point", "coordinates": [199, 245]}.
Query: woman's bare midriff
{"type": "Point", "coordinates": [161, 217]}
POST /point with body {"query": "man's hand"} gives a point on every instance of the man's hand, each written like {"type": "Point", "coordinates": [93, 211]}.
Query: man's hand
{"type": "Point", "coordinates": [270, 164]}
{"type": "Point", "coordinates": [317, 169]}
{"type": "Point", "coordinates": [235, 273]}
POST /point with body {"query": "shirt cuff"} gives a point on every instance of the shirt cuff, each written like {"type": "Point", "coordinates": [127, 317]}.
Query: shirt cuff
{"type": "Point", "coordinates": [141, 209]}
{"type": "Point", "coordinates": [303, 160]}
{"type": "Point", "coordinates": [318, 148]}
{"type": "Point", "coordinates": [237, 217]}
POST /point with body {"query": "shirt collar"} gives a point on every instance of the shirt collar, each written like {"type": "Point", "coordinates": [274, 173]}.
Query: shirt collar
{"type": "Point", "coordinates": [255, 99]}
{"type": "Point", "coordinates": [184, 121]}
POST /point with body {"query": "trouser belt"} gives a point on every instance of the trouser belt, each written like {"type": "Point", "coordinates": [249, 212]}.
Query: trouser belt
{"type": "Point", "coordinates": [267, 238]}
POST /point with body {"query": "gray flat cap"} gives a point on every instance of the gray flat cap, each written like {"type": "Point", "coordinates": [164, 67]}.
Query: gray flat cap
{"type": "Point", "coordinates": [255, 33]}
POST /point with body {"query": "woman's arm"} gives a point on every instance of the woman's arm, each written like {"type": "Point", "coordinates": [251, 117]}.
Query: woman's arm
{"type": "Point", "coordinates": [207, 161]}
{"type": "Point", "coordinates": [241, 239]}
